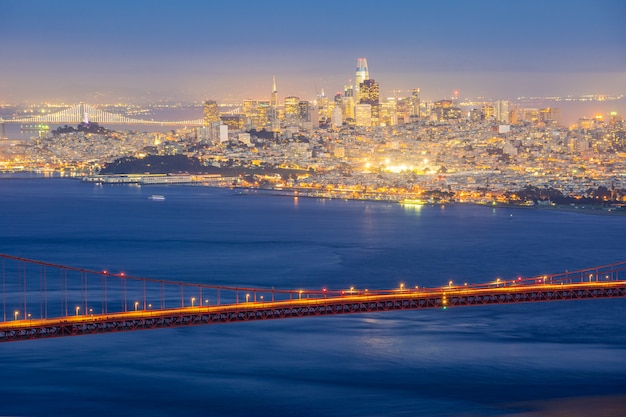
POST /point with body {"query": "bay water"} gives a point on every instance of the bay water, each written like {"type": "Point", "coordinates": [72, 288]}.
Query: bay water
{"type": "Point", "coordinates": [522, 360]}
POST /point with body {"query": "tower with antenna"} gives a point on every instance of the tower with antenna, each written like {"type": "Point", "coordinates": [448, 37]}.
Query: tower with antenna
{"type": "Point", "coordinates": [274, 97]}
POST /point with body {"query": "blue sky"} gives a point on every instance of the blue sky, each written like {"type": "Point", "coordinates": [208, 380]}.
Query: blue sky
{"type": "Point", "coordinates": [229, 50]}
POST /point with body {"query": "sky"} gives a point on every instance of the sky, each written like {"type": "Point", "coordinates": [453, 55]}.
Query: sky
{"type": "Point", "coordinates": [191, 50]}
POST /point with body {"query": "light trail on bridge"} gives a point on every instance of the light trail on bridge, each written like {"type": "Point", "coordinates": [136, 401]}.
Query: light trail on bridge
{"type": "Point", "coordinates": [80, 301]}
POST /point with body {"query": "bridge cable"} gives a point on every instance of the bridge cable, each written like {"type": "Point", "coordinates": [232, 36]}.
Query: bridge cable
{"type": "Point", "coordinates": [24, 289]}
{"type": "Point", "coordinates": [4, 294]}
{"type": "Point", "coordinates": [162, 296]}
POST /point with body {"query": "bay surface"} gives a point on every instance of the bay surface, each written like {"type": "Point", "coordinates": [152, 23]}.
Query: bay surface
{"type": "Point", "coordinates": [496, 360]}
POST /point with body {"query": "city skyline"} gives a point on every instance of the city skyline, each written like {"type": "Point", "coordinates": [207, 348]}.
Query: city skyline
{"type": "Point", "coordinates": [141, 51]}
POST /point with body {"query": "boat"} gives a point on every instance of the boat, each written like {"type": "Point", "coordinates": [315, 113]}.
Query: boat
{"type": "Point", "coordinates": [157, 197]}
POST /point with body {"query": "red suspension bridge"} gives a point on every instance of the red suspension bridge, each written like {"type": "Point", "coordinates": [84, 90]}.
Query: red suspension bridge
{"type": "Point", "coordinates": [43, 300]}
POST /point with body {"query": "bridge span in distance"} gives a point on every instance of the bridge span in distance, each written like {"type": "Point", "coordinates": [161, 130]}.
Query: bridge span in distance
{"type": "Point", "coordinates": [43, 300]}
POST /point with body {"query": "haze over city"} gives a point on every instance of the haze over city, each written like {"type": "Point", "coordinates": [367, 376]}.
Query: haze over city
{"type": "Point", "coordinates": [152, 50]}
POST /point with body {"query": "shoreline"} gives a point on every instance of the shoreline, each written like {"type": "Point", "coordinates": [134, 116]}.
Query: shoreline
{"type": "Point", "coordinates": [589, 209]}
{"type": "Point", "coordinates": [566, 208]}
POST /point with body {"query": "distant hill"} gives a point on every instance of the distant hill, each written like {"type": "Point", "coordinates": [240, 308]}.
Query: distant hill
{"type": "Point", "coordinates": [181, 164]}
{"type": "Point", "coordinates": [157, 164]}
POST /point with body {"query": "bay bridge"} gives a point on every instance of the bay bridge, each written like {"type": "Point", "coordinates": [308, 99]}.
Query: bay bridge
{"type": "Point", "coordinates": [44, 300]}
{"type": "Point", "coordinates": [87, 113]}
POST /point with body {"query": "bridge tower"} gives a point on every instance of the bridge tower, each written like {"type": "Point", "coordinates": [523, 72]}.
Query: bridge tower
{"type": "Point", "coordinates": [83, 111]}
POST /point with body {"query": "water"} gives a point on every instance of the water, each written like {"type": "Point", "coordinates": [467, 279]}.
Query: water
{"type": "Point", "coordinates": [480, 361]}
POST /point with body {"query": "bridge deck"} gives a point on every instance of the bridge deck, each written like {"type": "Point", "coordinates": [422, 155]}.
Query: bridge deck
{"type": "Point", "coordinates": [363, 302]}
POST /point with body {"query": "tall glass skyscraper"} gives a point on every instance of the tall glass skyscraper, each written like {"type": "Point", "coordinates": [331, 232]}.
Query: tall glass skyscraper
{"type": "Point", "coordinates": [274, 98]}
{"type": "Point", "coordinates": [362, 73]}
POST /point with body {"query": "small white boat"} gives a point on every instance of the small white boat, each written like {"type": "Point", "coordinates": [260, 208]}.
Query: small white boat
{"type": "Point", "coordinates": [157, 197]}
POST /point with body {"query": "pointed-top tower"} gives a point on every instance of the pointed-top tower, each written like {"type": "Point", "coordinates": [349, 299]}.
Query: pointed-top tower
{"type": "Point", "coordinates": [274, 99]}
{"type": "Point", "coordinates": [362, 73]}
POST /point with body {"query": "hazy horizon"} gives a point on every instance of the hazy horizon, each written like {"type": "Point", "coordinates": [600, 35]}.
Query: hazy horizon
{"type": "Point", "coordinates": [73, 51]}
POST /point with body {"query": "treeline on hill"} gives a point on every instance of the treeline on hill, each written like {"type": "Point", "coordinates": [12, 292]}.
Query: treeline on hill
{"type": "Point", "coordinates": [157, 164]}
{"type": "Point", "coordinates": [82, 127]}
{"type": "Point", "coordinates": [600, 195]}
{"type": "Point", "coordinates": [182, 164]}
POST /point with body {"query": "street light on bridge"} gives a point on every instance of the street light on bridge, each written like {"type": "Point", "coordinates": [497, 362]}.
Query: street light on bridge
{"type": "Point", "coordinates": [136, 305]}
{"type": "Point", "coordinates": [17, 313]}
{"type": "Point", "coordinates": [77, 309]}
{"type": "Point", "coordinates": [193, 299]}
{"type": "Point", "coordinates": [247, 297]}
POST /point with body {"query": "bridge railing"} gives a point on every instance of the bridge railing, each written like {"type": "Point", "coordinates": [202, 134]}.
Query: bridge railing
{"type": "Point", "coordinates": [40, 290]}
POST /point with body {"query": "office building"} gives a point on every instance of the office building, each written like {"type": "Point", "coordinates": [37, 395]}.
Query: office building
{"type": "Point", "coordinates": [211, 112]}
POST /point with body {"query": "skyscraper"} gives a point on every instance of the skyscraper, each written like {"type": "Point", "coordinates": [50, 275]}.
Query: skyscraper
{"type": "Point", "coordinates": [211, 112]}
{"type": "Point", "coordinates": [502, 111]}
{"type": "Point", "coordinates": [362, 73]}
{"type": "Point", "coordinates": [415, 102]}
{"type": "Point", "coordinates": [274, 98]}
{"type": "Point", "coordinates": [369, 94]}
{"type": "Point", "coordinates": [292, 112]}
{"type": "Point", "coordinates": [257, 112]}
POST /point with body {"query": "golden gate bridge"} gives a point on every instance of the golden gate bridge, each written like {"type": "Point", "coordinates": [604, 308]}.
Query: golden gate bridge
{"type": "Point", "coordinates": [44, 300]}
{"type": "Point", "coordinates": [86, 113]}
